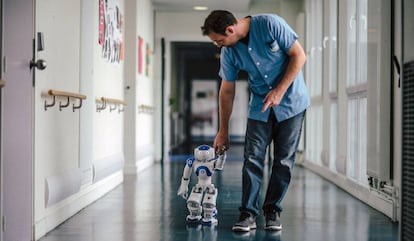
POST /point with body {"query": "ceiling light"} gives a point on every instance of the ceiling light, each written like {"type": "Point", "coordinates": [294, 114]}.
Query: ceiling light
{"type": "Point", "coordinates": [200, 8]}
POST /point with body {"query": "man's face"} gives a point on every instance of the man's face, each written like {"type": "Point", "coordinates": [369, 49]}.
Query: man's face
{"type": "Point", "coordinates": [224, 40]}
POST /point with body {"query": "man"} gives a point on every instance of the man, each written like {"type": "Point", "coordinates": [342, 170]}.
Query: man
{"type": "Point", "coordinates": [268, 50]}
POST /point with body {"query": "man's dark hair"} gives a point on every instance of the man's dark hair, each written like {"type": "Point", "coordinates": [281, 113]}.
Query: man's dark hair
{"type": "Point", "coordinates": [217, 21]}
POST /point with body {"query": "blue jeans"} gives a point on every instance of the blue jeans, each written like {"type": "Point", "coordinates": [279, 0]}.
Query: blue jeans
{"type": "Point", "coordinates": [285, 136]}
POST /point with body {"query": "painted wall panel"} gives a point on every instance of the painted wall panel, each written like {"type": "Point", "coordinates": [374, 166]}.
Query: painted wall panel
{"type": "Point", "coordinates": [73, 147]}
{"type": "Point", "coordinates": [56, 131]}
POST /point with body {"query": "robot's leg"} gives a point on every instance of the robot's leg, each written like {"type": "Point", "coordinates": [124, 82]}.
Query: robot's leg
{"type": "Point", "coordinates": [209, 205]}
{"type": "Point", "coordinates": [194, 204]}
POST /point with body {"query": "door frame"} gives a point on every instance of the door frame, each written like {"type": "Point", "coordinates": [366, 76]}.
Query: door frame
{"type": "Point", "coordinates": [1, 121]}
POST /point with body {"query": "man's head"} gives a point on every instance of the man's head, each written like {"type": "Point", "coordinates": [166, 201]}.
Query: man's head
{"type": "Point", "coordinates": [217, 21]}
{"type": "Point", "coordinates": [218, 25]}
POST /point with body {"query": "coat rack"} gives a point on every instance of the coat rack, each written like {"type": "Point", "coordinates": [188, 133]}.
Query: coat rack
{"type": "Point", "coordinates": [67, 96]}
{"type": "Point", "coordinates": [145, 109]}
{"type": "Point", "coordinates": [112, 103]}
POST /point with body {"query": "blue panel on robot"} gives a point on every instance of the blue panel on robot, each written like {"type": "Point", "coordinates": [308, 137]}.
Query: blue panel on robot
{"type": "Point", "coordinates": [204, 147]}
{"type": "Point", "coordinates": [208, 172]}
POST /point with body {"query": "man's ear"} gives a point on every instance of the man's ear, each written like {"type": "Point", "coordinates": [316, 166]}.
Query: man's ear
{"type": "Point", "coordinates": [230, 30]}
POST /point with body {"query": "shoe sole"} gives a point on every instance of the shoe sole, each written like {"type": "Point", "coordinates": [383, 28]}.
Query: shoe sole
{"type": "Point", "coordinates": [273, 228]}
{"type": "Point", "coordinates": [243, 229]}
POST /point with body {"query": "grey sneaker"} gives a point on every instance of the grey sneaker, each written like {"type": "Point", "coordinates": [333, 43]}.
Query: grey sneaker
{"type": "Point", "coordinates": [273, 221]}
{"type": "Point", "coordinates": [245, 224]}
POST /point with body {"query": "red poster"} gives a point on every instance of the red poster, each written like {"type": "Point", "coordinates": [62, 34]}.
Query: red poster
{"type": "Point", "coordinates": [101, 22]}
{"type": "Point", "coordinates": [140, 54]}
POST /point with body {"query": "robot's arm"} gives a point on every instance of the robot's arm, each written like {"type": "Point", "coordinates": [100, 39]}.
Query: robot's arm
{"type": "Point", "coordinates": [183, 190]}
{"type": "Point", "coordinates": [221, 159]}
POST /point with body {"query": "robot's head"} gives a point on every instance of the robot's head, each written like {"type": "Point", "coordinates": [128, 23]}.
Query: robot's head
{"type": "Point", "coordinates": [204, 153]}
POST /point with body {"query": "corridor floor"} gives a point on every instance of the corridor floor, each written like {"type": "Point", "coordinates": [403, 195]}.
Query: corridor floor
{"type": "Point", "coordinates": [147, 208]}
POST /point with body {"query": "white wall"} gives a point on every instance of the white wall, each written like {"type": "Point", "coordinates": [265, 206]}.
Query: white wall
{"type": "Point", "coordinates": [78, 154]}
{"type": "Point", "coordinates": [139, 88]}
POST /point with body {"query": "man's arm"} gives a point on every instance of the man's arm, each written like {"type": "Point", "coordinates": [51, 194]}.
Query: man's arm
{"type": "Point", "coordinates": [226, 98]}
{"type": "Point", "coordinates": [296, 62]}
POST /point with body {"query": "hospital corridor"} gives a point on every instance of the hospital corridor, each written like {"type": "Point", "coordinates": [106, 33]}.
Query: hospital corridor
{"type": "Point", "coordinates": [107, 107]}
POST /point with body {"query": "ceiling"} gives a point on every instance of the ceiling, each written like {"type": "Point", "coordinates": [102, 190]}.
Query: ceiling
{"type": "Point", "coordinates": [187, 5]}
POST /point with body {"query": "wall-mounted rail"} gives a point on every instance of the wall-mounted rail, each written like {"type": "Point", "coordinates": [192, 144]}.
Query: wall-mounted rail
{"type": "Point", "coordinates": [113, 104]}
{"type": "Point", "coordinates": [145, 109]}
{"type": "Point", "coordinates": [66, 95]}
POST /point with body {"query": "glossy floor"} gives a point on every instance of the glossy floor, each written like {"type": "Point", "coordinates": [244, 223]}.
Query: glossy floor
{"type": "Point", "coordinates": [146, 207]}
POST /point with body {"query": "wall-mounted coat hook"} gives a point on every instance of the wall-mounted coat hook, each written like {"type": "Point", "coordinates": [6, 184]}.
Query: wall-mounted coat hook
{"type": "Point", "coordinates": [68, 95]}
{"type": "Point", "coordinates": [64, 105]}
{"type": "Point", "coordinates": [113, 107]}
{"type": "Point", "coordinates": [100, 105]}
{"type": "Point", "coordinates": [51, 104]}
{"type": "Point", "coordinates": [121, 108]}
{"type": "Point", "coordinates": [145, 109]}
{"type": "Point", "coordinates": [75, 107]}
{"type": "Point", "coordinates": [114, 104]}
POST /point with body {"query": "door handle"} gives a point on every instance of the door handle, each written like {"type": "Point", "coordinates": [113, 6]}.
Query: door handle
{"type": "Point", "coordinates": [39, 64]}
{"type": "Point", "coordinates": [2, 83]}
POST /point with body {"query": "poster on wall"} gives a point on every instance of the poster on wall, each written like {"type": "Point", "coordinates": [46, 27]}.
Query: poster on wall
{"type": "Point", "coordinates": [147, 60]}
{"type": "Point", "coordinates": [101, 22]}
{"type": "Point", "coordinates": [140, 54]}
{"type": "Point", "coordinates": [144, 57]}
{"type": "Point", "coordinates": [111, 31]}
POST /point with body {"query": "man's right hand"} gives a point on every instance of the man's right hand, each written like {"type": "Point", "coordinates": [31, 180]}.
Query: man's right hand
{"type": "Point", "coordinates": [221, 143]}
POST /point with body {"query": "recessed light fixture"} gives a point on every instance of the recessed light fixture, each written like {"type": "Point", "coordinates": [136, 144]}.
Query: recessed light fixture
{"type": "Point", "coordinates": [200, 8]}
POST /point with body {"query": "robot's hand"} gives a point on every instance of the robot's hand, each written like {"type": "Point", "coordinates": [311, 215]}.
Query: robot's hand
{"type": "Point", "coordinates": [221, 159]}
{"type": "Point", "coordinates": [183, 190]}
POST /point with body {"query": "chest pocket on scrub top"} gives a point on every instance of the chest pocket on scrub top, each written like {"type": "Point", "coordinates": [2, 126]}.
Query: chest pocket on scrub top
{"type": "Point", "coordinates": [274, 46]}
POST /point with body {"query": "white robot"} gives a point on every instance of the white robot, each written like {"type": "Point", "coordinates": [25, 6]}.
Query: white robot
{"type": "Point", "coordinates": [203, 196]}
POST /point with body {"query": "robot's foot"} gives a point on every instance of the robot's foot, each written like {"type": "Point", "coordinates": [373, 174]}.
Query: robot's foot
{"type": "Point", "coordinates": [193, 219]}
{"type": "Point", "coordinates": [209, 221]}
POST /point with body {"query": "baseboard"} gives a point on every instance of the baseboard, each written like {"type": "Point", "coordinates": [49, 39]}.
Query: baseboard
{"type": "Point", "coordinates": [377, 201]}
{"type": "Point", "coordinates": [72, 205]}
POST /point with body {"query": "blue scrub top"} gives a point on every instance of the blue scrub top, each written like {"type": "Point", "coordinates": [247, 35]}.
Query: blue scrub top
{"type": "Point", "coordinates": [265, 61]}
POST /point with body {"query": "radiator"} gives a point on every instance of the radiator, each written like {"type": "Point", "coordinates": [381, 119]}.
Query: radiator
{"type": "Point", "coordinates": [407, 190]}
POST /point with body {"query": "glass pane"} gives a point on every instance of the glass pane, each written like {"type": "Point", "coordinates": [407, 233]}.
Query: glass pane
{"type": "Point", "coordinates": [351, 43]}
{"type": "Point", "coordinates": [333, 136]}
{"type": "Point", "coordinates": [374, 44]}
{"type": "Point", "coordinates": [310, 134]}
{"type": "Point", "coordinates": [362, 158]}
{"type": "Point", "coordinates": [362, 41]}
{"type": "Point", "coordinates": [333, 54]}
{"type": "Point", "coordinates": [318, 47]}
{"type": "Point", "coordinates": [314, 134]}
{"type": "Point", "coordinates": [314, 48]}
{"type": "Point", "coordinates": [352, 152]}
{"type": "Point", "coordinates": [357, 140]}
